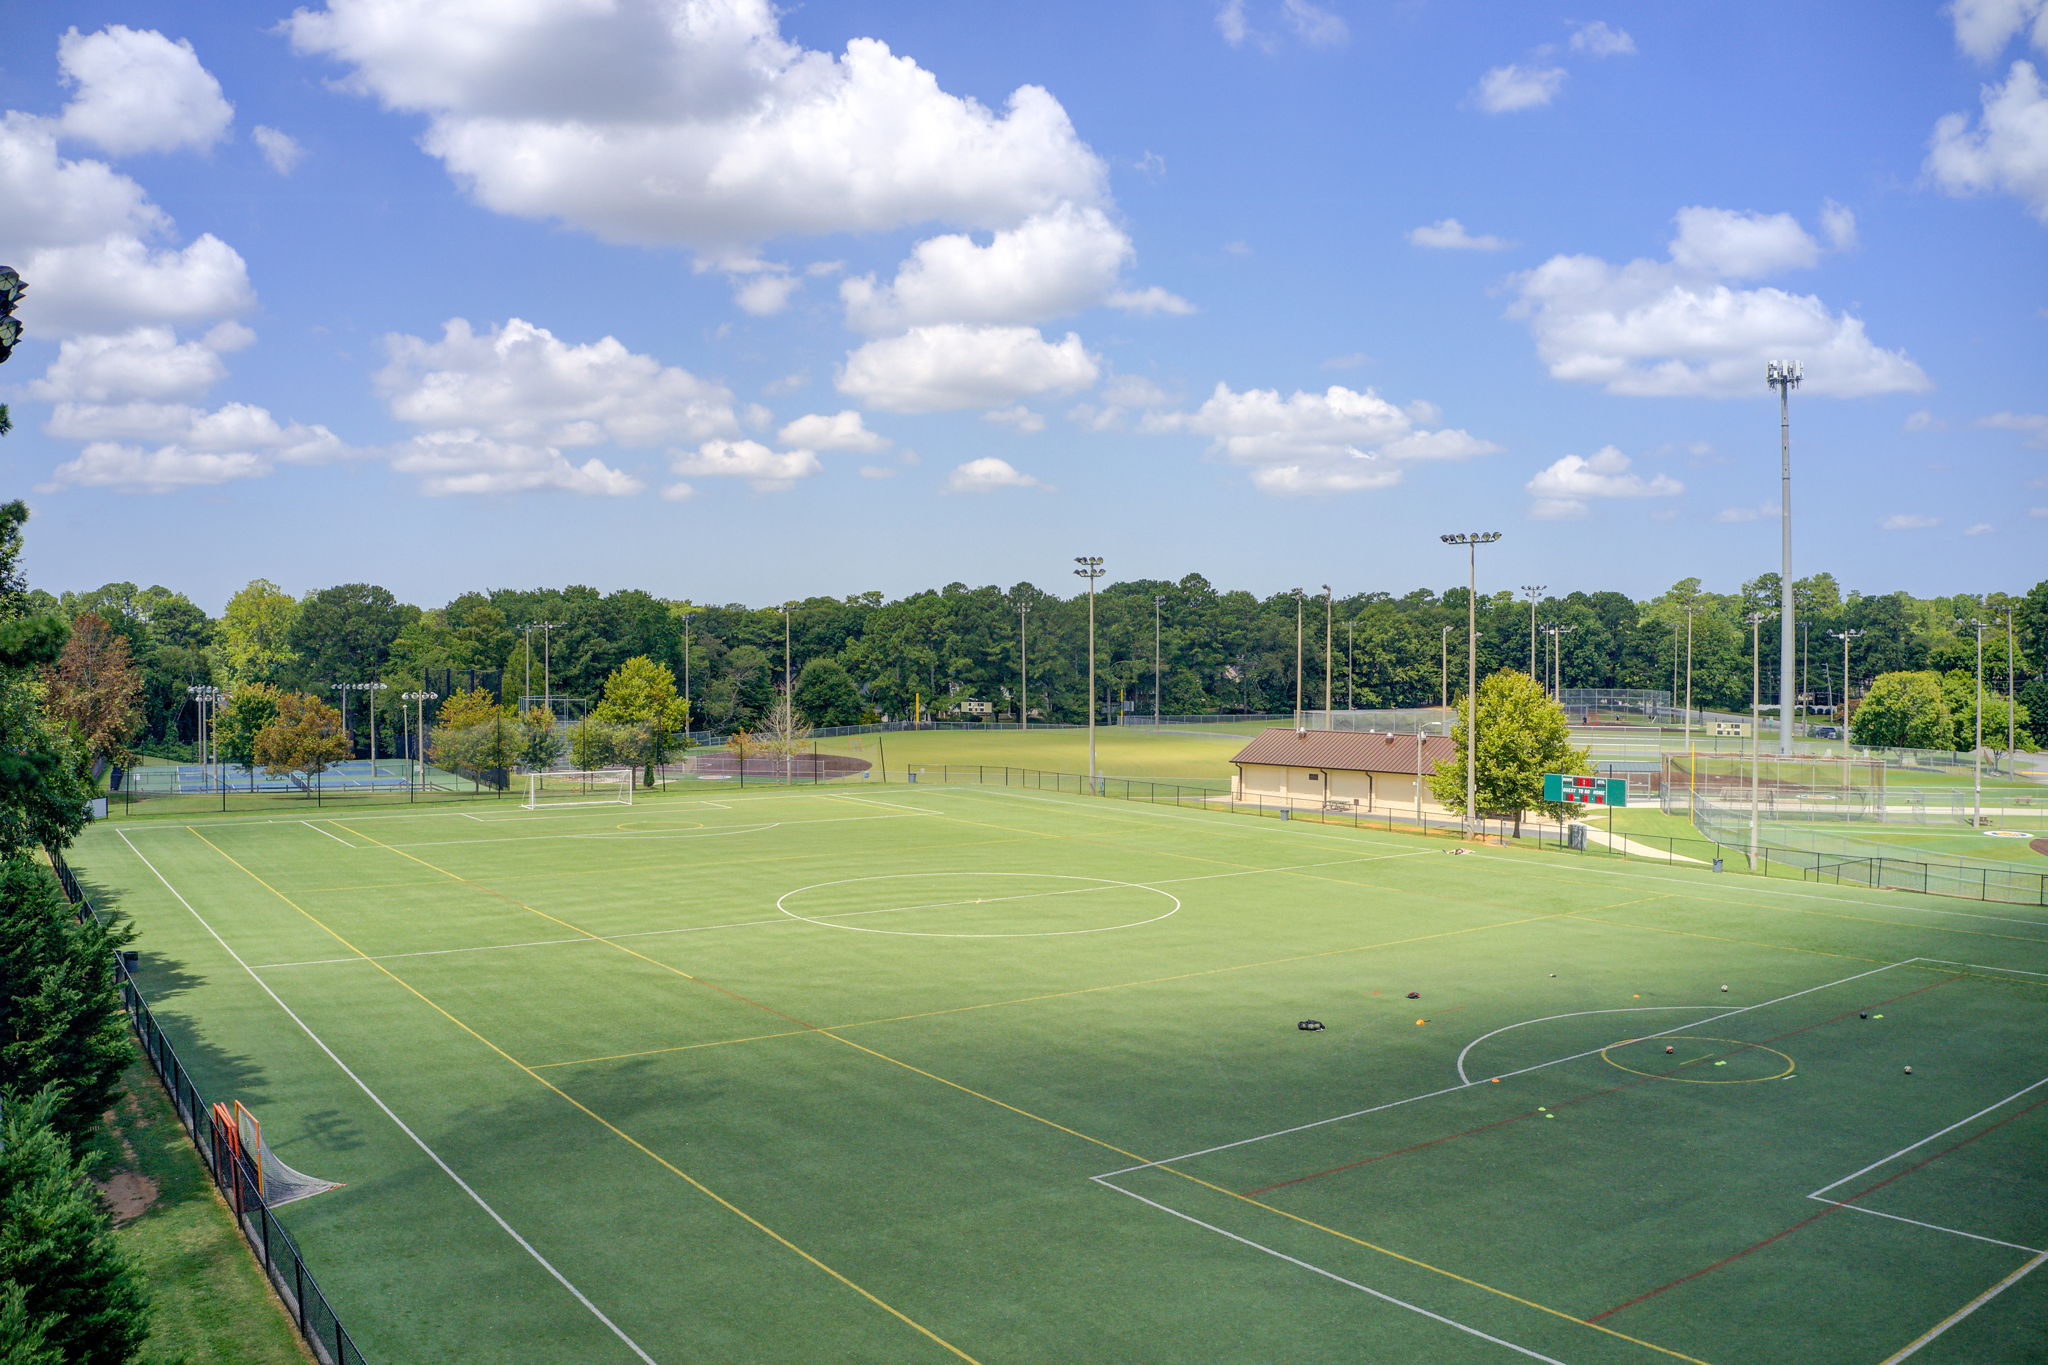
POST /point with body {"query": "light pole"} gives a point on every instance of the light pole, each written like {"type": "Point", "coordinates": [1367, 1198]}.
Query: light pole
{"type": "Point", "coordinates": [205, 694]}
{"type": "Point", "coordinates": [1557, 634]}
{"type": "Point", "coordinates": [1350, 671]}
{"type": "Point", "coordinates": [788, 683]}
{"type": "Point", "coordinates": [1443, 701]}
{"type": "Point", "coordinates": [419, 731]}
{"type": "Point", "coordinates": [1977, 743]}
{"type": "Point", "coordinates": [1471, 540]}
{"type": "Point", "coordinates": [1690, 608]}
{"type": "Point", "coordinates": [2010, 752]}
{"type": "Point", "coordinates": [1157, 603]}
{"type": "Point", "coordinates": [1845, 636]}
{"type": "Point", "coordinates": [1535, 590]}
{"type": "Point", "coordinates": [547, 631]}
{"type": "Point", "coordinates": [1329, 653]}
{"type": "Point", "coordinates": [526, 690]}
{"type": "Point", "coordinates": [687, 618]}
{"type": "Point", "coordinates": [372, 688]}
{"type": "Point", "coordinates": [1756, 620]}
{"type": "Point", "coordinates": [345, 689]}
{"type": "Point", "coordinates": [1023, 671]}
{"type": "Point", "coordinates": [1420, 731]}
{"type": "Point", "coordinates": [1784, 376]}
{"type": "Point", "coordinates": [1297, 658]}
{"type": "Point", "coordinates": [1091, 569]}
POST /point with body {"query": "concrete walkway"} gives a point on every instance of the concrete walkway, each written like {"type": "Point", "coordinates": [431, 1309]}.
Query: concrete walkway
{"type": "Point", "coordinates": [1622, 844]}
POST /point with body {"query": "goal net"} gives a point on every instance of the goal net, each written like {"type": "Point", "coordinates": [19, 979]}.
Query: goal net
{"type": "Point", "coordinates": [604, 787]}
{"type": "Point", "coordinates": [275, 1181]}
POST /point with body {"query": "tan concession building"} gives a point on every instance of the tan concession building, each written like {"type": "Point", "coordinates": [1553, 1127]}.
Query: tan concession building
{"type": "Point", "coordinates": [1346, 769]}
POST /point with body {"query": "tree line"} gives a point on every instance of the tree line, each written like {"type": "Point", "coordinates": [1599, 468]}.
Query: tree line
{"type": "Point", "coordinates": [861, 657]}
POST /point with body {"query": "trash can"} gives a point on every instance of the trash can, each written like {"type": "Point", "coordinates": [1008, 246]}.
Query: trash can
{"type": "Point", "coordinates": [1717, 864]}
{"type": "Point", "coordinates": [1575, 838]}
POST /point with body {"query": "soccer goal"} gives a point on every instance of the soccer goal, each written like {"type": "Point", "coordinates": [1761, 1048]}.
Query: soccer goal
{"type": "Point", "coordinates": [604, 787]}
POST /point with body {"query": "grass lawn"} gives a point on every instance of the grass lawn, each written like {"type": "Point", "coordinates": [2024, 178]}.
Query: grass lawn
{"type": "Point", "coordinates": [208, 1300]}
{"type": "Point", "coordinates": [1169, 753]}
{"type": "Point", "coordinates": [907, 1074]}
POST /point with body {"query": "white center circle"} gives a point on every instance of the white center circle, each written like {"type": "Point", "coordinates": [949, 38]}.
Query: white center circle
{"type": "Point", "coordinates": [1091, 884]}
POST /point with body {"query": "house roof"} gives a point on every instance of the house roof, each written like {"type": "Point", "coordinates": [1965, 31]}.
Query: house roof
{"type": "Point", "coordinates": [1348, 751]}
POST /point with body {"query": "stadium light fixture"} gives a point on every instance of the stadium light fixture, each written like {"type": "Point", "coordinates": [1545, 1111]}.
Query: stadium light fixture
{"type": "Point", "coordinates": [1091, 569]}
{"type": "Point", "coordinates": [1784, 376]}
{"type": "Point", "coordinates": [1535, 590]}
{"type": "Point", "coordinates": [419, 701]}
{"type": "Point", "coordinates": [1471, 540]}
{"type": "Point", "coordinates": [1756, 723]}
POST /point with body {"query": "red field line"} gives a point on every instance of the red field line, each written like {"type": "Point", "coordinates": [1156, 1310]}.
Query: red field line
{"type": "Point", "coordinates": [1576, 1099]}
{"type": "Point", "coordinates": [1833, 1207]}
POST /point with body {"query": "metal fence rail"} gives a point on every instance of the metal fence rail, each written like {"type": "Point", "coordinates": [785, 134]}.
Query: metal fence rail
{"type": "Point", "coordinates": [234, 1174]}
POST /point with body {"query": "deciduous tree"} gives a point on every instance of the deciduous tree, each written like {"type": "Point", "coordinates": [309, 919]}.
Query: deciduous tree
{"type": "Point", "coordinates": [96, 689]}
{"type": "Point", "coordinates": [255, 632]}
{"type": "Point", "coordinates": [1905, 711]}
{"type": "Point", "coordinates": [642, 694]}
{"type": "Point", "coordinates": [825, 694]}
{"type": "Point", "coordinates": [305, 736]}
{"type": "Point", "coordinates": [241, 718]}
{"type": "Point", "coordinates": [1523, 734]}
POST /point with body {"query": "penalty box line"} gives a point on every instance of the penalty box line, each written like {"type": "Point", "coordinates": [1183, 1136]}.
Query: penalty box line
{"type": "Point", "coordinates": [1520, 1071]}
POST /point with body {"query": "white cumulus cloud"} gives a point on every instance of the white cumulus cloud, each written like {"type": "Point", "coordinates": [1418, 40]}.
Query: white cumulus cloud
{"type": "Point", "coordinates": [143, 363]}
{"type": "Point", "coordinates": [1448, 234]}
{"type": "Point", "coordinates": [1602, 39]}
{"type": "Point", "coordinates": [2007, 148]}
{"type": "Point", "coordinates": [1314, 25]}
{"type": "Point", "coordinates": [521, 383]}
{"type": "Point", "coordinates": [2033, 426]}
{"type": "Point", "coordinates": [1561, 490]}
{"type": "Point", "coordinates": [1678, 327]}
{"type": "Point", "coordinates": [1018, 416]}
{"type": "Point", "coordinates": [949, 367]}
{"type": "Point", "coordinates": [987, 474]}
{"type": "Point", "coordinates": [845, 430]}
{"type": "Point", "coordinates": [134, 90]}
{"type": "Point", "coordinates": [1150, 300]}
{"type": "Point", "coordinates": [1054, 263]}
{"type": "Point", "coordinates": [1984, 27]}
{"type": "Point", "coordinates": [281, 150]}
{"type": "Point", "coordinates": [1908, 521]}
{"type": "Point", "coordinates": [1336, 441]}
{"type": "Point", "coordinates": [1512, 88]}
{"type": "Point", "coordinates": [696, 122]}
{"type": "Point", "coordinates": [167, 469]}
{"type": "Point", "coordinates": [471, 463]}
{"type": "Point", "coordinates": [764, 469]}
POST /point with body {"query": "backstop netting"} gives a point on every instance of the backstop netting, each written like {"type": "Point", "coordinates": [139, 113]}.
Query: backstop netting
{"type": "Point", "coordinates": [1801, 787]}
{"type": "Point", "coordinates": [275, 1181]}
{"type": "Point", "coordinates": [599, 787]}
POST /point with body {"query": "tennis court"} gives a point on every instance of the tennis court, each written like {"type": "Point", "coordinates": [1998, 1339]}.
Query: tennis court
{"type": "Point", "coordinates": [964, 1073]}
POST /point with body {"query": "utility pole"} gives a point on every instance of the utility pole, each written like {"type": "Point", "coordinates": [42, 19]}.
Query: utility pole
{"type": "Point", "coordinates": [1329, 653]}
{"type": "Point", "coordinates": [1557, 634]}
{"type": "Point", "coordinates": [1784, 376]}
{"type": "Point", "coordinates": [1091, 569]}
{"type": "Point", "coordinates": [1297, 658]}
{"type": "Point", "coordinates": [547, 631]}
{"type": "Point", "coordinates": [1023, 670]}
{"type": "Point", "coordinates": [1977, 744]}
{"type": "Point", "coordinates": [1471, 540]}
{"type": "Point", "coordinates": [1157, 603]}
{"type": "Point", "coordinates": [1845, 636]}
{"type": "Point", "coordinates": [687, 618]}
{"type": "Point", "coordinates": [1690, 608]}
{"type": "Point", "coordinates": [1535, 590]}
{"type": "Point", "coordinates": [1756, 620]}
{"type": "Point", "coordinates": [2010, 752]}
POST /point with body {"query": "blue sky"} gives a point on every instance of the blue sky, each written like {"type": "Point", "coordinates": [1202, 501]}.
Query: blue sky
{"type": "Point", "coordinates": [734, 304]}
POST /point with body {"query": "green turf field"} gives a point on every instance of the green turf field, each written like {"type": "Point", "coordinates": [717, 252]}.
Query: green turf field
{"type": "Point", "coordinates": [909, 1074]}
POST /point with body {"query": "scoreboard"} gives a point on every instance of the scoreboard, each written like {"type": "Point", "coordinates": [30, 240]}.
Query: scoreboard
{"type": "Point", "coordinates": [1585, 791]}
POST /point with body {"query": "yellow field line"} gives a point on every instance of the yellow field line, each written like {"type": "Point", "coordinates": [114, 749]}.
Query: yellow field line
{"type": "Point", "coordinates": [617, 1131]}
{"type": "Point", "coordinates": [1082, 990]}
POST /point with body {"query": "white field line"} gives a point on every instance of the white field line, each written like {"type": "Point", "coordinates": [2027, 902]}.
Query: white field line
{"type": "Point", "coordinates": [329, 833]}
{"type": "Point", "coordinates": [431, 810]}
{"type": "Point", "coordinates": [1521, 1071]}
{"type": "Point", "coordinates": [1371, 838]}
{"type": "Point", "coordinates": [1932, 1227]}
{"type": "Point", "coordinates": [1884, 1160]}
{"type": "Point", "coordinates": [1568, 1014]}
{"type": "Point", "coordinates": [1331, 1275]}
{"type": "Point", "coordinates": [377, 1100]}
{"type": "Point", "coordinates": [708, 830]}
{"type": "Point", "coordinates": [1981, 967]}
{"type": "Point", "coordinates": [893, 805]}
{"type": "Point", "coordinates": [1972, 1306]}
{"type": "Point", "coordinates": [779, 919]}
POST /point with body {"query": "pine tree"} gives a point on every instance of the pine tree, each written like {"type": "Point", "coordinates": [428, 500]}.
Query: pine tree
{"type": "Point", "coordinates": [60, 1012]}
{"type": "Point", "coordinates": [76, 1286]}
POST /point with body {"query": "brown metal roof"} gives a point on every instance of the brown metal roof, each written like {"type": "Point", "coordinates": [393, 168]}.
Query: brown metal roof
{"type": "Point", "coordinates": [1347, 751]}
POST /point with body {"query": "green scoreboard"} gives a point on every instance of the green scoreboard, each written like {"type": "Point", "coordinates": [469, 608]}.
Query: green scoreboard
{"type": "Point", "coordinates": [1585, 791]}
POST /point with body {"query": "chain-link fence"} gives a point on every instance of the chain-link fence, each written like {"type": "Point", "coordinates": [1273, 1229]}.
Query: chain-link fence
{"type": "Point", "coordinates": [229, 1165]}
